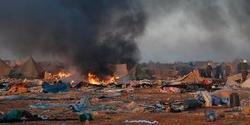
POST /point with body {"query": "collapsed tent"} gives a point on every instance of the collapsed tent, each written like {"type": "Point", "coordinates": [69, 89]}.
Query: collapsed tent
{"type": "Point", "coordinates": [191, 78]}
{"type": "Point", "coordinates": [4, 68]}
{"type": "Point", "coordinates": [246, 84]}
{"type": "Point", "coordinates": [30, 69]}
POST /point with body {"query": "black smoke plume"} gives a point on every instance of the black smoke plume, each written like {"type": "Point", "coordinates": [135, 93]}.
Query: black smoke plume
{"type": "Point", "coordinates": [91, 33]}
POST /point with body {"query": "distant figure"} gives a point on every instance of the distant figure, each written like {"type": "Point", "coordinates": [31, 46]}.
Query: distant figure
{"type": "Point", "coordinates": [192, 66]}
{"type": "Point", "coordinates": [228, 70]}
{"type": "Point", "coordinates": [220, 71]}
{"type": "Point", "coordinates": [209, 70]}
{"type": "Point", "coordinates": [243, 67]}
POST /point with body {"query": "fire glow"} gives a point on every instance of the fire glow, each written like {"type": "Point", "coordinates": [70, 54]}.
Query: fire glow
{"type": "Point", "coordinates": [93, 79]}
{"type": "Point", "coordinates": [62, 75]}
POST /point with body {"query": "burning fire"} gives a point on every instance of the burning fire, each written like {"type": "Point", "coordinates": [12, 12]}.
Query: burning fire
{"type": "Point", "coordinates": [93, 79]}
{"type": "Point", "coordinates": [56, 76]}
{"type": "Point", "coordinates": [62, 75]}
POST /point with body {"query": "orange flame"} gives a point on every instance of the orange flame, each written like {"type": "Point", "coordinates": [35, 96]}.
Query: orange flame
{"type": "Point", "coordinates": [63, 75]}
{"type": "Point", "coordinates": [93, 79]}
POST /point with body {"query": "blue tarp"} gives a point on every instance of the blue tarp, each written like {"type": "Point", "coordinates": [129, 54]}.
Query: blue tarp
{"type": "Point", "coordinates": [219, 101]}
{"type": "Point", "coordinates": [58, 87]}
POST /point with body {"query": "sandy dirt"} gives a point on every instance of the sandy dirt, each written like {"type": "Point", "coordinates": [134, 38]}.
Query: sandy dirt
{"type": "Point", "coordinates": [64, 116]}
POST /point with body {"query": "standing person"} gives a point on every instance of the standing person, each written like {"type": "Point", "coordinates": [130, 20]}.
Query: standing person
{"type": "Point", "coordinates": [228, 69]}
{"type": "Point", "coordinates": [220, 71]}
{"type": "Point", "coordinates": [209, 70]}
{"type": "Point", "coordinates": [244, 70]}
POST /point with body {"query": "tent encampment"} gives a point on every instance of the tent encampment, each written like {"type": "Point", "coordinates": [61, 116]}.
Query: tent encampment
{"type": "Point", "coordinates": [30, 69]}
{"type": "Point", "coordinates": [4, 68]}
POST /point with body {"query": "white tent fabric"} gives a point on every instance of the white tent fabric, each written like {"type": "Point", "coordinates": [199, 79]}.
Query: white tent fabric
{"type": "Point", "coordinates": [246, 84]}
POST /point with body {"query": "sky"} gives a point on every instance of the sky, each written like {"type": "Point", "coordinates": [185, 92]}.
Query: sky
{"type": "Point", "coordinates": [188, 30]}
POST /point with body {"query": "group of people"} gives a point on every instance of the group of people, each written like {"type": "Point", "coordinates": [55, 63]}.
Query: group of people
{"type": "Point", "coordinates": [222, 70]}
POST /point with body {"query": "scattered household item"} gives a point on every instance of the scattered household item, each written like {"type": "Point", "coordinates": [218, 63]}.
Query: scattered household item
{"type": "Point", "coordinates": [234, 100]}
{"type": "Point", "coordinates": [85, 117]}
{"type": "Point", "coordinates": [211, 116]}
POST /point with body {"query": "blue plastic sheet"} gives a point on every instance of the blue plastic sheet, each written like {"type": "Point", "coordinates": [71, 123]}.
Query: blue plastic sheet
{"type": "Point", "coordinates": [216, 100]}
{"type": "Point", "coordinates": [58, 87]}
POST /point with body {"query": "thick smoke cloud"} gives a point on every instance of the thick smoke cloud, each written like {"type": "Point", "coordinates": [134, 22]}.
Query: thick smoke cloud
{"type": "Point", "coordinates": [95, 33]}
{"type": "Point", "coordinates": [92, 34]}
{"type": "Point", "coordinates": [189, 30]}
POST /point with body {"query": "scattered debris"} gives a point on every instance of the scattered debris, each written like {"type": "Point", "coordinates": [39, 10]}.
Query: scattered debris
{"type": "Point", "coordinates": [144, 122]}
{"type": "Point", "coordinates": [211, 116]}
{"type": "Point", "coordinates": [98, 101]}
{"type": "Point", "coordinates": [19, 115]}
{"type": "Point", "coordinates": [4, 86]}
{"type": "Point", "coordinates": [82, 106]}
{"type": "Point", "coordinates": [86, 117]}
{"type": "Point", "coordinates": [234, 100]}
{"type": "Point", "coordinates": [142, 84]}
{"type": "Point", "coordinates": [170, 90]}
{"type": "Point", "coordinates": [18, 89]}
